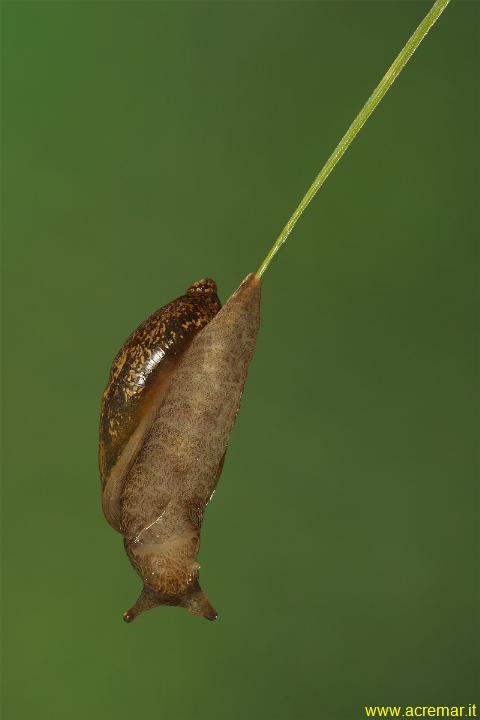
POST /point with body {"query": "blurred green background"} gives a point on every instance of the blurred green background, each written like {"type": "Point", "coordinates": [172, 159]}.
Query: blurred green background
{"type": "Point", "coordinates": [148, 144]}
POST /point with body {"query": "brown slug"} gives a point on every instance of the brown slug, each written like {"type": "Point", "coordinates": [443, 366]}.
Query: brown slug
{"type": "Point", "coordinates": [167, 413]}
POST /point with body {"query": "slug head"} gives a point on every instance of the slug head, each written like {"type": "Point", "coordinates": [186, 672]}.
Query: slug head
{"type": "Point", "coordinates": [194, 600]}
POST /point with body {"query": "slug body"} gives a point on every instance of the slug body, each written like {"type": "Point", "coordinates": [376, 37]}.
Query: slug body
{"type": "Point", "coordinates": [173, 472]}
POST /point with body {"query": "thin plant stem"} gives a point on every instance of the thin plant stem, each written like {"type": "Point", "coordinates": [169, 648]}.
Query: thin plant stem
{"type": "Point", "coordinates": [383, 86]}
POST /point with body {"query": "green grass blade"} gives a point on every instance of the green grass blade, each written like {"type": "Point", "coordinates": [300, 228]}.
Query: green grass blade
{"type": "Point", "coordinates": [382, 88]}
